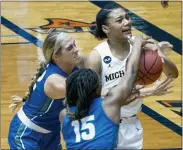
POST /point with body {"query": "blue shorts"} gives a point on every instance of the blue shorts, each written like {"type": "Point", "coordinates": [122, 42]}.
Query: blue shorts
{"type": "Point", "coordinates": [22, 137]}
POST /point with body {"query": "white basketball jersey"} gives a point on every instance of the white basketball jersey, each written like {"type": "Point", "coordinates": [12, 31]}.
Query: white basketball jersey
{"type": "Point", "coordinates": [113, 70]}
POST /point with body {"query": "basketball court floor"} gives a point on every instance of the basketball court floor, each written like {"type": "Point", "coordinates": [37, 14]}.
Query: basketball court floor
{"type": "Point", "coordinates": [24, 25]}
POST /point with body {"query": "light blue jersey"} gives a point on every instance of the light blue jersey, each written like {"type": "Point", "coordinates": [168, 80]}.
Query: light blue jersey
{"type": "Point", "coordinates": [95, 131]}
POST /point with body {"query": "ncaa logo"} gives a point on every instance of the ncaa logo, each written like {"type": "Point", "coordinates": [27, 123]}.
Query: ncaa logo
{"type": "Point", "coordinates": [107, 59]}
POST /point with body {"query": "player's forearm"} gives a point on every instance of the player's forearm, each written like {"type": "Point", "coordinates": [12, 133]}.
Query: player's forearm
{"type": "Point", "coordinates": [132, 69]}
{"type": "Point", "coordinates": [146, 92]}
{"type": "Point", "coordinates": [134, 59]}
{"type": "Point", "coordinates": [168, 67]}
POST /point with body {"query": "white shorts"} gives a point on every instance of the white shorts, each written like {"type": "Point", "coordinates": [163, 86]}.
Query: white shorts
{"type": "Point", "coordinates": [130, 134]}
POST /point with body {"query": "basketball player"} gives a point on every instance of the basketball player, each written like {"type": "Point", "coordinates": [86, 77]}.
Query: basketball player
{"type": "Point", "coordinates": [37, 125]}
{"type": "Point", "coordinates": [92, 122]}
{"type": "Point", "coordinates": [109, 58]}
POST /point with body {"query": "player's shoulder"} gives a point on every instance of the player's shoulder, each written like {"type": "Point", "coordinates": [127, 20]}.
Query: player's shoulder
{"type": "Point", "coordinates": [55, 79]}
{"type": "Point", "coordinates": [102, 45]}
{"type": "Point", "coordinates": [54, 86]}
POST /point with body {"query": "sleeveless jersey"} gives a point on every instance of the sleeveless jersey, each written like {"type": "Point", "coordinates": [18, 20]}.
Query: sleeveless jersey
{"type": "Point", "coordinates": [95, 131]}
{"type": "Point", "coordinates": [41, 109]}
{"type": "Point", "coordinates": [113, 70]}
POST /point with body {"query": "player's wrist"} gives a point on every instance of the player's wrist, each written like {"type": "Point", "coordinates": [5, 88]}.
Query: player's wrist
{"type": "Point", "coordinates": [160, 53]}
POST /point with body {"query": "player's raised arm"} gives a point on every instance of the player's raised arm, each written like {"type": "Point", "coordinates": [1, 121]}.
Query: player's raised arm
{"type": "Point", "coordinates": [120, 93]}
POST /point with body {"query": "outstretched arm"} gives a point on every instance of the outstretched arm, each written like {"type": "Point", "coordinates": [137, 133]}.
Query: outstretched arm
{"type": "Point", "coordinates": [120, 92]}
{"type": "Point", "coordinates": [160, 88]}
{"type": "Point", "coordinates": [118, 95]}
{"type": "Point", "coordinates": [169, 68]}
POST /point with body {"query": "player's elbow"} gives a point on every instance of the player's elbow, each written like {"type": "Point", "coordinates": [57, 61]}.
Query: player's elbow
{"type": "Point", "coordinates": [174, 73]}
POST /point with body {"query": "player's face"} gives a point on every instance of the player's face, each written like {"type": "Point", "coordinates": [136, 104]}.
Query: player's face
{"type": "Point", "coordinates": [119, 24]}
{"type": "Point", "coordinates": [69, 52]}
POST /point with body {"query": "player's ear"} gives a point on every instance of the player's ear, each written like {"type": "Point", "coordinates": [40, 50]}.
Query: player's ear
{"type": "Point", "coordinates": [105, 29]}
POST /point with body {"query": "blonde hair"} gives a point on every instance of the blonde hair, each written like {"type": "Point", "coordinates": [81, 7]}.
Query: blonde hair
{"type": "Point", "coordinates": [51, 45]}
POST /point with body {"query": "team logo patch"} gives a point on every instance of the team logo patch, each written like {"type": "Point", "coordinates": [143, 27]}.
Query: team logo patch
{"type": "Point", "coordinates": [107, 59]}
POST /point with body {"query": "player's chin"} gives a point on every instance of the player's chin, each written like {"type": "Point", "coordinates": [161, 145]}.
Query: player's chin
{"type": "Point", "coordinates": [127, 34]}
{"type": "Point", "coordinates": [77, 60]}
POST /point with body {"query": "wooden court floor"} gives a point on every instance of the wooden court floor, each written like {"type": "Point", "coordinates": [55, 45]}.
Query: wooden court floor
{"type": "Point", "coordinates": [24, 26]}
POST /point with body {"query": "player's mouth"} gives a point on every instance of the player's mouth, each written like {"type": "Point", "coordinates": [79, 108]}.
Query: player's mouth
{"type": "Point", "coordinates": [76, 56]}
{"type": "Point", "coordinates": [126, 30]}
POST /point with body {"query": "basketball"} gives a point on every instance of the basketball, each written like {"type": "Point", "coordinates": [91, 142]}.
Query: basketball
{"type": "Point", "coordinates": [150, 68]}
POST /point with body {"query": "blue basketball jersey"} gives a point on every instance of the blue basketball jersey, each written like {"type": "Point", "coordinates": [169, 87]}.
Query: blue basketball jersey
{"type": "Point", "coordinates": [41, 109]}
{"type": "Point", "coordinates": [95, 131]}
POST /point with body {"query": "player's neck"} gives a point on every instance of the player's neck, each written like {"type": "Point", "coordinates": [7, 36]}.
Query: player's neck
{"type": "Point", "coordinates": [66, 68]}
{"type": "Point", "coordinates": [119, 47]}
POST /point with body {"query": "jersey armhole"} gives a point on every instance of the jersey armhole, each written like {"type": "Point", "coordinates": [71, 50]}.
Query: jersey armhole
{"type": "Point", "coordinates": [102, 109]}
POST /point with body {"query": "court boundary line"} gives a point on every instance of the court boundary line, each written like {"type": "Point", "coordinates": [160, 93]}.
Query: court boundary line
{"type": "Point", "coordinates": [161, 119]}
{"type": "Point", "coordinates": [16, 43]}
{"type": "Point", "coordinates": [13, 27]}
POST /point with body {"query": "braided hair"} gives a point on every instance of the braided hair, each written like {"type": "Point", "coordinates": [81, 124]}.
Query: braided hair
{"type": "Point", "coordinates": [81, 88]}
{"type": "Point", "coordinates": [52, 45]}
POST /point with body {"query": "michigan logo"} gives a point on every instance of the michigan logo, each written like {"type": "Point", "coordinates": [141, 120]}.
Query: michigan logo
{"type": "Point", "coordinates": [65, 25]}
{"type": "Point", "coordinates": [175, 106]}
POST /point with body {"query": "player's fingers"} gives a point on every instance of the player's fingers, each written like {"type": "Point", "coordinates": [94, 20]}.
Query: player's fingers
{"type": "Point", "coordinates": [165, 83]}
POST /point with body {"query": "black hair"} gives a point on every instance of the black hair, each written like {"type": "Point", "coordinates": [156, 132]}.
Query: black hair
{"type": "Point", "coordinates": [81, 88]}
{"type": "Point", "coordinates": [101, 19]}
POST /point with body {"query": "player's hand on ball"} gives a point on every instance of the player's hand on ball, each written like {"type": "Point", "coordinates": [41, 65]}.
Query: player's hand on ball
{"type": "Point", "coordinates": [150, 45]}
{"type": "Point", "coordinates": [139, 38]}
{"type": "Point", "coordinates": [144, 40]}
{"type": "Point", "coordinates": [165, 47]}
{"type": "Point", "coordinates": [162, 87]}
{"type": "Point", "coordinates": [147, 43]}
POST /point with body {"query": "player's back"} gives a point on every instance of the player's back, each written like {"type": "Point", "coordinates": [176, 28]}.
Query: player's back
{"type": "Point", "coordinates": [95, 131]}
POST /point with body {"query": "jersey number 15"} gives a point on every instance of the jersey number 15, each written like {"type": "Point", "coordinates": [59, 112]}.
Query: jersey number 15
{"type": "Point", "coordinates": [85, 125]}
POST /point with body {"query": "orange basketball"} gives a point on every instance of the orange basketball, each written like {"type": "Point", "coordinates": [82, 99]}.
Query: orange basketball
{"type": "Point", "coordinates": [150, 68]}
